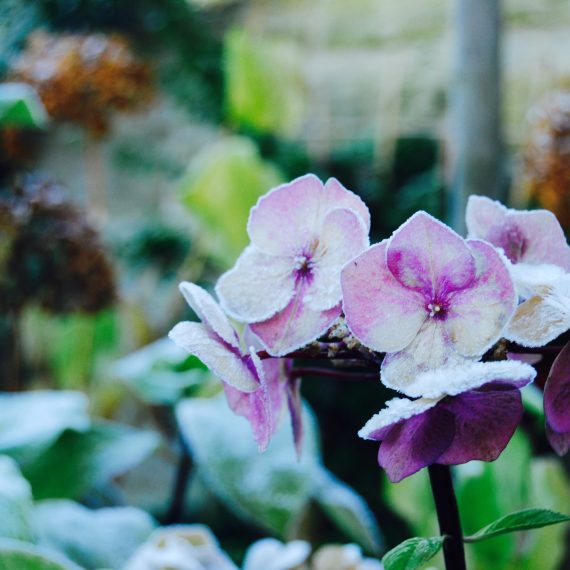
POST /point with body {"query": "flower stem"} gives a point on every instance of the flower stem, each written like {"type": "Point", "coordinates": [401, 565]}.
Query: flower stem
{"type": "Point", "coordinates": [176, 507]}
{"type": "Point", "coordinates": [448, 516]}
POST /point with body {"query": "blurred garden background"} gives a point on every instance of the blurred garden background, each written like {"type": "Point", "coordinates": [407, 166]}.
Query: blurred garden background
{"type": "Point", "coordinates": [135, 137]}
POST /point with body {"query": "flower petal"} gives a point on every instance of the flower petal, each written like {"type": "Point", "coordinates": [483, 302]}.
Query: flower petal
{"type": "Point", "coordinates": [427, 256]}
{"type": "Point", "coordinates": [453, 380]}
{"type": "Point", "coordinates": [209, 312]}
{"type": "Point", "coordinates": [481, 214]}
{"type": "Point", "coordinates": [257, 287]}
{"type": "Point", "coordinates": [225, 363]}
{"type": "Point", "coordinates": [342, 238]}
{"type": "Point", "coordinates": [485, 421]}
{"type": "Point", "coordinates": [560, 442]}
{"type": "Point", "coordinates": [294, 403]}
{"type": "Point", "coordinates": [557, 393]}
{"type": "Point", "coordinates": [339, 197]}
{"type": "Point", "coordinates": [295, 326]}
{"type": "Point", "coordinates": [381, 313]}
{"type": "Point", "coordinates": [478, 314]}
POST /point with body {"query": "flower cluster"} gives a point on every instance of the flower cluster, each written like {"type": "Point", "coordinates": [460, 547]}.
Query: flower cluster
{"type": "Point", "coordinates": [435, 313]}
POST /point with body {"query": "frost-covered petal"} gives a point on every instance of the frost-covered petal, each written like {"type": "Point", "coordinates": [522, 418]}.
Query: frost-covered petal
{"type": "Point", "coordinates": [339, 197]}
{"type": "Point", "coordinates": [380, 312]}
{"type": "Point", "coordinates": [427, 256]}
{"type": "Point", "coordinates": [224, 362]}
{"type": "Point", "coordinates": [416, 443]}
{"type": "Point", "coordinates": [485, 421]}
{"type": "Point", "coordinates": [209, 312]}
{"type": "Point", "coordinates": [257, 287]}
{"type": "Point", "coordinates": [557, 393]}
{"type": "Point", "coordinates": [429, 350]}
{"type": "Point", "coordinates": [295, 326]}
{"type": "Point", "coordinates": [453, 380]}
{"type": "Point", "coordinates": [481, 214]}
{"type": "Point", "coordinates": [271, 554]}
{"type": "Point", "coordinates": [478, 314]}
{"type": "Point", "coordinates": [533, 280]}
{"type": "Point", "coordinates": [343, 237]}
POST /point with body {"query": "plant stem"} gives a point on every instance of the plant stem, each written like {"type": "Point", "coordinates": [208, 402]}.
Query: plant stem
{"type": "Point", "coordinates": [338, 374]}
{"type": "Point", "coordinates": [448, 516]}
{"type": "Point", "coordinates": [176, 508]}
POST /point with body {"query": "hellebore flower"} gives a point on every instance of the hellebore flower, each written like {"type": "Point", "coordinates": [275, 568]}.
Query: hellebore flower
{"type": "Point", "coordinates": [427, 298]}
{"type": "Point", "coordinates": [255, 389]}
{"type": "Point", "coordinates": [286, 283]}
{"type": "Point", "coordinates": [466, 412]}
{"type": "Point", "coordinates": [557, 403]}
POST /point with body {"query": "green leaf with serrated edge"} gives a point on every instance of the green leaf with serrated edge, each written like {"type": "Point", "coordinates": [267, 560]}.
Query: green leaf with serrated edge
{"type": "Point", "coordinates": [412, 553]}
{"type": "Point", "coordinates": [18, 555]}
{"type": "Point", "coordinates": [522, 520]}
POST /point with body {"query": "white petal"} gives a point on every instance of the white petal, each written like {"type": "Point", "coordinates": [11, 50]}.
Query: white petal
{"type": "Point", "coordinates": [271, 554]}
{"type": "Point", "coordinates": [259, 286]}
{"type": "Point", "coordinates": [533, 280]}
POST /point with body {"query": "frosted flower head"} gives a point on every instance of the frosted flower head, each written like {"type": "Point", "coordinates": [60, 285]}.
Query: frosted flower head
{"type": "Point", "coordinates": [467, 412]}
{"type": "Point", "coordinates": [255, 389]}
{"type": "Point", "coordinates": [557, 403]}
{"type": "Point", "coordinates": [427, 298]}
{"type": "Point", "coordinates": [343, 557]}
{"type": "Point", "coordinates": [533, 237]}
{"type": "Point", "coordinates": [286, 283]}
{"type": "Point", "coordinates": [271, 554]}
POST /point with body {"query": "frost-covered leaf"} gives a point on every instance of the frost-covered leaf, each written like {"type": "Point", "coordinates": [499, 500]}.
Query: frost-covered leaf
{"type": "Point", "coordinates": [349, 512]}
{"type": "Point", "coordinates": [79, 462]}
{"type": "Point", "coordinates": [30, 422]}
{"type": "Point", "coordinates": [20, 107]}
{"type": "Point", "coordinates": [18, 555]}
{"type": "Point", "coordinates": [103, 538]}
{"type": "Point", "coordinates": [15, 501]}
{"type": "Point", "coordinates": [270, 489]}
{"type": "Point", "coordinates": [412, 553]}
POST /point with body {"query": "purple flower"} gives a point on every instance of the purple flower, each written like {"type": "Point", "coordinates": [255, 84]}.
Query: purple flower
{"type": "Point", "coordinates": [557, 403]}
{"type": "Point", "coordinates": [468, 412]}
{"type": "Point", "coordinates": [428, 298]}
{"type": "Point", "coordinates": [286, 283]}
{"type": "Point", "coordinates": [255, 389]}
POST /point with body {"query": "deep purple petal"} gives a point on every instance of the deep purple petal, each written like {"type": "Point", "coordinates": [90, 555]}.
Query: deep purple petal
{"type": "Point", "coordinates": [416, 443]}
{"type": "Point", "coordinates": [557, 393]}
{"type": "Point", "coordinates": [295, 410]}
{"type": "Point", "coordinates": [485, 421]}
{"type": "Point", "coordinates": [560, 442]}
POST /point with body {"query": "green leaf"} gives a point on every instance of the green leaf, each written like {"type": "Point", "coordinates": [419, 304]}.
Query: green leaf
{"type": "Point", "coordinates": [15, 501]}
{"type": "Point", "coordinates": [17, 555]}
{"type": "Point", "coordinates": [21, 107]}
{"type": "Point", "coordinates": [349, 511]}
{"type": "Point", "coordinates": [412, 553]}
{"type": "Point", "coordinates": [103, 538]}
{"type": "Point", "coordinates": [80, 462]}
{"type": "Point", "coordinates": [522, 520]}
{"type": "Point", "coordinates": [270, 489]}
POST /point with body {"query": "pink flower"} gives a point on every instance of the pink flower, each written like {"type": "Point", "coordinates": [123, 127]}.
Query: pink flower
{"type": "Point", "coordinates": [255, 389]}
{"type": "Point", "coordinates": [427, 298]}
{"type": "Point", "coordinates": [286, 283]}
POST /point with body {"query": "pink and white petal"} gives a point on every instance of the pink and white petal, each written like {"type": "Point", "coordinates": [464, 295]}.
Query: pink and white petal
{"type": "Point", "coordinates": [342, 238]}
{"type": "Point", "coordinates": [287, 218]}
{"type": "Point", "coordinates": [295, 326]}
{"type": "Point", "coordinates": [257, 287]}
{"type": "Point", "coordinates": [427, 256]}
{"type": "Point", "coordinates": [209, 312]}
{"type": "Point", "coordinates": [227, 364]}
{"type": "Point", "coordinates": [339, 197]}
{"type": "Point", "coordinates": [453, 380]}
{"type": "Point", "coordinates": [429, 350]}
{"type": "Point", "coordinates": [557, 393]}
{"type": "Point", "coordinates": [379, 311]}
{"type": "Point", "coordinates": [477, 315]}
{"type": "Point", "coordinates": [396, 410]}
{"type": "Point", "coordinates": [482, 214]}
{"type": "Point", "coordinates": [544, 240]}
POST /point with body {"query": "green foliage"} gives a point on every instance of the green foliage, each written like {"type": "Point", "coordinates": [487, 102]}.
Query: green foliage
{"type": "Point", "coordinates": [412, 553]}
{"type": "Point", "coordinates": [20, 107]}
{"type": "Point", "coordinates": [15, 501]}
{"type": "Point", "coordinates": [221, 185]}
{"type": "Point", "coordinates": [17, 555]}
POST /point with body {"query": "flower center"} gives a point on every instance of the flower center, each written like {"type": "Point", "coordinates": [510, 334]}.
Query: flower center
{"type": "Point", "coordinates": [436, 310]}
{"type": "Point", "coordinates": [303, 266]}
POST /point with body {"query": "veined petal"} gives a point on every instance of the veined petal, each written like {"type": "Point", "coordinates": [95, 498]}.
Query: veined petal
{"type": "Point", "coordinates": [343, 237]}
{"type": "Point", "coordinates": [258, 286]}
{"type": "Point", "coordinates": [453, 380]}
{"type": "Point", "coordinates": [485, 421]}
{"type": "Point", "coordinates": [339, 197]}
{"type": "Point", "coordinates": [295, 326]}
{"type": "Point", "coordinates": [225, 363]}
{"type": "Point", "coordinates": [380, 312]}
{"type": "Point", "coordinates": [557, 393]}
{"type": "Point", "coordinates": [429, 350]}
{"type": "Point", "coordinates": [478, 314]}
{"type": "Point", "coordinates": [425, 255]}
{"type": "Point", "coordinates": [209, 312]}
